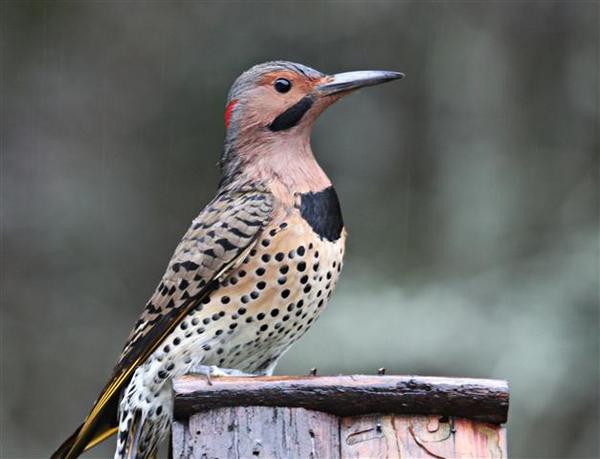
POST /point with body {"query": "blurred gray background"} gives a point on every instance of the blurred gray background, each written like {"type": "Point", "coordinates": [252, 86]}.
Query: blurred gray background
{"type": "Point", "coordinates": [470, 190]}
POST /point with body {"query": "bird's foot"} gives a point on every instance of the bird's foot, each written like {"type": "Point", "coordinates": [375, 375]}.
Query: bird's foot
{"type": "Point", "coordinates": [212, 370]}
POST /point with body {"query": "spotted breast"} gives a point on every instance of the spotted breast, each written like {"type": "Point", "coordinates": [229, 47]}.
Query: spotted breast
{"type": "Point", "coordinates": [269, 300]}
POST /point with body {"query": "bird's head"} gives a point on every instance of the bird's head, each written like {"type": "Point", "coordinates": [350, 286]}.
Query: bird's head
{"type": "Point", "coordinates": [272, 106]}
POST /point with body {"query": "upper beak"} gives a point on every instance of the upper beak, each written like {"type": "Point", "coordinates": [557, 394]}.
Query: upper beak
{"type": "Point", "coordinates": [341, 82]}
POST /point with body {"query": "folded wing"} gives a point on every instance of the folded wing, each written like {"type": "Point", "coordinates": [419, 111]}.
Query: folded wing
{"type": "Point", "coordinates": [218, 239]}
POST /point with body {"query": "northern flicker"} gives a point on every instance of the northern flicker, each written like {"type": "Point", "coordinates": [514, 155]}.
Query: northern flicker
{"type": "Point", "coordinates": [254, 270]}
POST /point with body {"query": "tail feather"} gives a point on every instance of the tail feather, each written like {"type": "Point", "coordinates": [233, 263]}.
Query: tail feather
{"type": "Point", "coordinates": [139, 430]}
{"type": "Point", "coordinates": [63, 449]}
{"type": "Point", "coordinates": [102, 427]}
{"type": "Point", "coordinates": [131, 442]}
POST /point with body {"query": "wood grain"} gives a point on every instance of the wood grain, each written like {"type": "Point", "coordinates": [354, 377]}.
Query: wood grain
{"type": "Point", "coordinates": [483, 400]}
{"type": "Point", "coordinates": [419, 437]}
{"type": "Point", "coordinates": [257, 432]}
{"type": "Point", "coordinates": [278, 433]}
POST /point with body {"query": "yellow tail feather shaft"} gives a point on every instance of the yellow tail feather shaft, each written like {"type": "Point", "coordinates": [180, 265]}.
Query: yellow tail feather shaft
{"type": "Point", "coordinates": [100, 438]}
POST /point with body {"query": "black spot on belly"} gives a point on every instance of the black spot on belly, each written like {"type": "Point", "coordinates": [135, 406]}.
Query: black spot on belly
{"type": "Point", "coordinates": [322, 212]}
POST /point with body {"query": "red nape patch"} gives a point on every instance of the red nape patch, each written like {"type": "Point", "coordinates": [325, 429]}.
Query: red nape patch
{"type": "Point", "coordinates": [228, 111]}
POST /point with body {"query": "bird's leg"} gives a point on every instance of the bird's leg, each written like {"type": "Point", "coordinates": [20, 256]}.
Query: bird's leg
{"type": "Point", "coordinates": [203, 370]}
{"type": "Point", "coordinates": [212, 370]}
{"type": "Point", "coordinates": [217, 371]}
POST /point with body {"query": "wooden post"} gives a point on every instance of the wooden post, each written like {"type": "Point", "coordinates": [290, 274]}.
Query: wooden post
{"type": "Point", "coordinates": [339, 417]}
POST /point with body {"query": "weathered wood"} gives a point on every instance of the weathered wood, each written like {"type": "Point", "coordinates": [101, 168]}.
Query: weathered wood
{"type": "Point", "coordinates": [416, 437]}
{"type": "Point", "coordinates": [483, 400]}
{"type": "Point", "coordinates": [261, 432]}
{"type": "Point", "coordinates": [278, 433]}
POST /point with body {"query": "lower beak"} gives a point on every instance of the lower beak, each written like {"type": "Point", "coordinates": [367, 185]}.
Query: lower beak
{"type": "Point", "coordinates": [342, 82]}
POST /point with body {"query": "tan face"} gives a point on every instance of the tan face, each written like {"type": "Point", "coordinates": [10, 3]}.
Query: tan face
{"type": "Point", "coordinates": [270, 112]}
{"type": "Point", "coordinates": [279, 101]}
{"type": "Point", "coordinates": [279, 91]}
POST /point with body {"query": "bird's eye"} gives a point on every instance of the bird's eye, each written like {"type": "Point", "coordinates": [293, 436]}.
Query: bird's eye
{"type": "Point", "coordinates": [282, 85]}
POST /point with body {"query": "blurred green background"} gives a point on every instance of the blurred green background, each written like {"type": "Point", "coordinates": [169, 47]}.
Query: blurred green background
{"type": "Point", "coordinates": [470, 190]}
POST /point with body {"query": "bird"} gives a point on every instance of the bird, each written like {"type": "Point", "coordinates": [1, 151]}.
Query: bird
{"type": "Point", "coordinates": [254, 270]}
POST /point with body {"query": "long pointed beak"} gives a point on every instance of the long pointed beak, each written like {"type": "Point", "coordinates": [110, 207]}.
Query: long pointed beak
{"type": "Point", "coordinates": [348, 81]}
